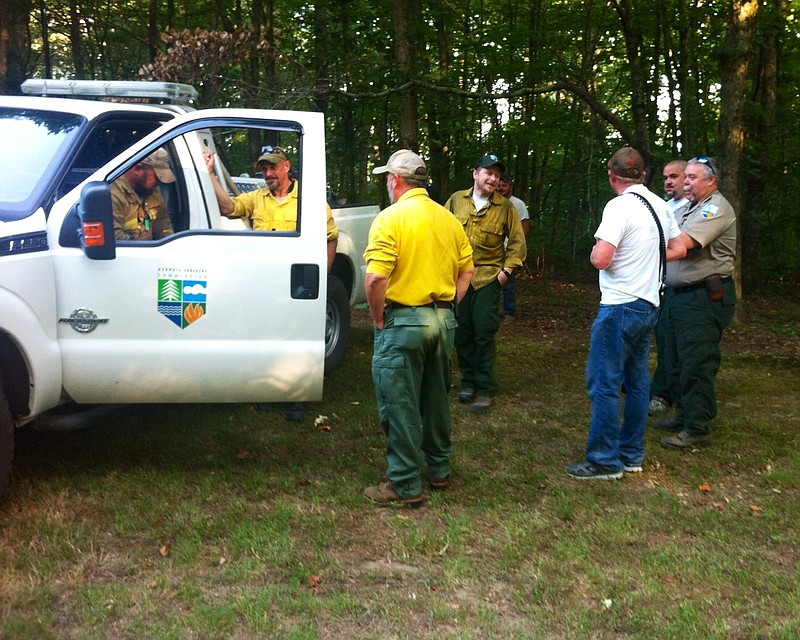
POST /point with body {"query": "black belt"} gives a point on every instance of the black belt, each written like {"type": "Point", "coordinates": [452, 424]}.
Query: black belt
{"type": "Point", "coordinates": [698, 285]}
{"type": "Point", "coordinates": [440, 304]}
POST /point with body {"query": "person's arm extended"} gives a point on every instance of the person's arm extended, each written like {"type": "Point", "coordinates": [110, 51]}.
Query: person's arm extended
{"type": "Point", "coordinates": [226, 206]}
{"type": "Point", "coordinates": [679, 246]}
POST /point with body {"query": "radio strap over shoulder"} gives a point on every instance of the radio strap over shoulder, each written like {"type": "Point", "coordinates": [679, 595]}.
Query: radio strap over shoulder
{"type": "Point", "coordinates": [662, 245]}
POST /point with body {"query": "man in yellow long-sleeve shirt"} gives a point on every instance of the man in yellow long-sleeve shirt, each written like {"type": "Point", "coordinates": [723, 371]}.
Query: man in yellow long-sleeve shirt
{"type": "Point", "coordinates": [419, 263]}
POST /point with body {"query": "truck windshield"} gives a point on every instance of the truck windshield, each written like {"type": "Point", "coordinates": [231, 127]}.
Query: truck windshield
{"type": "Point", "coordinates": [35, 144]}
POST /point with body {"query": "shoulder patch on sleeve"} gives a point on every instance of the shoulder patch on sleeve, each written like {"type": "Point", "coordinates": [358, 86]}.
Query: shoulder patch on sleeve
{"type": "Point", "coordinates": [710, 211]}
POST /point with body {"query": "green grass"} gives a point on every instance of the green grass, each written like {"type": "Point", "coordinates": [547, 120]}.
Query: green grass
{"type": "Point", "coordinates": [215, 521]}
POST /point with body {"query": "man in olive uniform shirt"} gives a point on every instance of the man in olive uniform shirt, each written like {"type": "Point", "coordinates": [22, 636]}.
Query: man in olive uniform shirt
{"type": "Point", "coordinates": [419, 263]}
{"type": "Point", "coordinates": [488, 220]}
{"type": "Point", "coordinates": [701, 298]}
{"type": "Point", "coordinates": [140, 212]}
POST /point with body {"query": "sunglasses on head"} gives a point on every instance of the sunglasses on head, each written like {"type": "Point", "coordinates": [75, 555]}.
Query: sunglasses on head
{"type": "Point", "coordinates": [268, 148]}
{"type": "Point", "coordinates": [706, 161]}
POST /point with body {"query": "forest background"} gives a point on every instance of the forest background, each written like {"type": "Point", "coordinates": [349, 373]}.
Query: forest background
{"type": "Point", "coordinates": [551, 86]}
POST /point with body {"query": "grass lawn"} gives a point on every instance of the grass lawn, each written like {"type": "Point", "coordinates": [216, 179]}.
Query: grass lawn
{"type": "Point", "coordinates": [215, 521]}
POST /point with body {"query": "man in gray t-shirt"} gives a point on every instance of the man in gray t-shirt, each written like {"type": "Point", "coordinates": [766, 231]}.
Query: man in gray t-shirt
{"type": "Point", "coordinates": [505, 188]}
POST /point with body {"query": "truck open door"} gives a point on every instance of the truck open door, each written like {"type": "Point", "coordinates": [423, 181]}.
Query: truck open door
{"type": "Point", "coordinates": [207, 313]}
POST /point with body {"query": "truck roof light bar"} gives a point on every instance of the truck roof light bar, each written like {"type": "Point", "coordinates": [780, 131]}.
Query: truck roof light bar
{"type": "Point", "coordinates": [172, 92]}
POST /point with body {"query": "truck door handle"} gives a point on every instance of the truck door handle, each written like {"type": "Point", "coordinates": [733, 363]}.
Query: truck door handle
{"type": "Point", "coordinates": [305, 281]}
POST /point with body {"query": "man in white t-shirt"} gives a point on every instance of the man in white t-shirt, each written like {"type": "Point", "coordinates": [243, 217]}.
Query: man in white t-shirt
{"type": "Point", "coordinates": [505, 188]}
{"type": "Point", "coordinates": [627, 254]}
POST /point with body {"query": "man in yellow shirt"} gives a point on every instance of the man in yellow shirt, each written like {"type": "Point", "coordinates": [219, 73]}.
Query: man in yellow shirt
{"type": "Point", "coordinates": [419, 263]}
{"type": "Point", "coordinates": [273, 208]}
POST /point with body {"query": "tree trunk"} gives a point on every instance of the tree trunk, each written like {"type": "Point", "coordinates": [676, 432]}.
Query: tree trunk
{"type": "Point", "coordinates": [402, 12]}
{"type": "Point", "coordinates": [76, 39]}
{"type": "Point", "coordinates": [437, 109]}
{"type": "Point", "coordinates": [45, 29]}
{"type": "Point", "coordinates": [761, 157]}
{"type": "Point", "coordinates": [15, 44]}
{"type": "Point", "coordinates": [252, 70]}
{"type": "Point", "coordinates": [641, 109]}
{"type": "Point", "coordinates": [152, 29]}
{"type": "Point", "coordinates": [734, 65]}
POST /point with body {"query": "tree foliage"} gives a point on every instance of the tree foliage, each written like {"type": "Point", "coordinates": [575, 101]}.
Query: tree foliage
{"type": "Point", "coordinates": [552, 86]}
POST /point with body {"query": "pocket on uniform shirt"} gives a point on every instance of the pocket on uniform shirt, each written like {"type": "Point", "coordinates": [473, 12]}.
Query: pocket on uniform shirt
{"type": "Point", "coordinates": [491, 237]}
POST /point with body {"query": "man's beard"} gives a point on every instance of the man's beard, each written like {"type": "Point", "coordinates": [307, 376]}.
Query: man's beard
{"type": "Point", "coordinates": [390, 191]}
{"type": "Point", "coordinates": [142, 191]}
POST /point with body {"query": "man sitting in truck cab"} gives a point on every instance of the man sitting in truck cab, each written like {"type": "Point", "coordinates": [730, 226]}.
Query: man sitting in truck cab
{"type": "Point", "coordinates": [140, 212]}
{"type": "Point", "coordinates": [273, 208]}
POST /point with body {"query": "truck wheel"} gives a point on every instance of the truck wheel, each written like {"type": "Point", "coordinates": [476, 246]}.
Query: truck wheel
{"type": "Point", "coordinates": [337, 323]}
{"type": "Point", "coordinates": [6, 446]}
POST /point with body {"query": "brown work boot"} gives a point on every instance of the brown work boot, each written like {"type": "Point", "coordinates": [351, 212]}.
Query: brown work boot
{"type": "Point", "coordinates": [384, 494]}
{"type": "Point", "coordinates": [672, 425]}
{"type": "Point", "coordinates": [481, 403]}
{"type": "Point", "coordinates": [439, 484]}
{"type": "Point", "coordinates": [686, 440]}
{"type": "Point", "coordinates": [467, 395]}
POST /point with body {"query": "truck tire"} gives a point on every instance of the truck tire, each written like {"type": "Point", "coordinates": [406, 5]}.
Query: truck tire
{"type": "Point", "coordinates": [337, 323]}
{"type": "Point", "coordinates": [6, 447]}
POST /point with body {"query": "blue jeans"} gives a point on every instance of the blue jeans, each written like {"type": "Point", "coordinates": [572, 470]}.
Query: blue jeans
{"type": "Point", "coordinates": [618, 355]}
{"type": "Point", "coordinates": [510, 295]}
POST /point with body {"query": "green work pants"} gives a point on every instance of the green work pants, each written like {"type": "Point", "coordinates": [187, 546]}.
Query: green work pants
{"type": "Point", "coordinates": [665, 359]}
{"type": "Point", "coordinates": [412, 372]}
{"type": "Point", "coordinates": [478, 322]}
{"type": "Point", "coordinates": [696, 325]}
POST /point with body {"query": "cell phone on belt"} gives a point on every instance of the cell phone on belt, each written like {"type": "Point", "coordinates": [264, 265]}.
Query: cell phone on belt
{"type": "Point", "coordinates": [714, 287]}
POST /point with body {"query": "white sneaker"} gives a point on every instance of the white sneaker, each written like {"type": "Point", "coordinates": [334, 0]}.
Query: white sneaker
{"type": "Point", "coordinates": [657, 406]}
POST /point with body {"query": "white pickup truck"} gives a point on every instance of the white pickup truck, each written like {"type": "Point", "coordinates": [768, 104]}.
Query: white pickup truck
{"type": "Point", "coordinates": [212, 313]}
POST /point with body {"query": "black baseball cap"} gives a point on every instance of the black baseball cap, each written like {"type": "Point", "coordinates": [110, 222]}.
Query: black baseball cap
{"type": "Point", "coordinates": [490, 160]}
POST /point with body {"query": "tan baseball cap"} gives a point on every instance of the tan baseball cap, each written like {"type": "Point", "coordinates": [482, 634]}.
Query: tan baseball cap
{"type": "Point", "coordinates": [159, 160]}
{"type": "Point", "coordinates": [406, 164]}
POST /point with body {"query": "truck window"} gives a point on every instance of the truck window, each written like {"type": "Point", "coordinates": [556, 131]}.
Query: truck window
{"type": "Point", "coordinates": [254, 187]}
{"type": "Point", "coordinates": [41, 142]}
{"type": "Point", "coordinates": [141, 212]}
{"type": "Point", "coordinates": [258, 170]}
{"type": "Point", "coordinates": [106, 140]}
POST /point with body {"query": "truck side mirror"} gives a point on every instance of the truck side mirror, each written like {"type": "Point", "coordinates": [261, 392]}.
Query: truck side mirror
{"type": "Point", "coordinates": [97, 222]}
